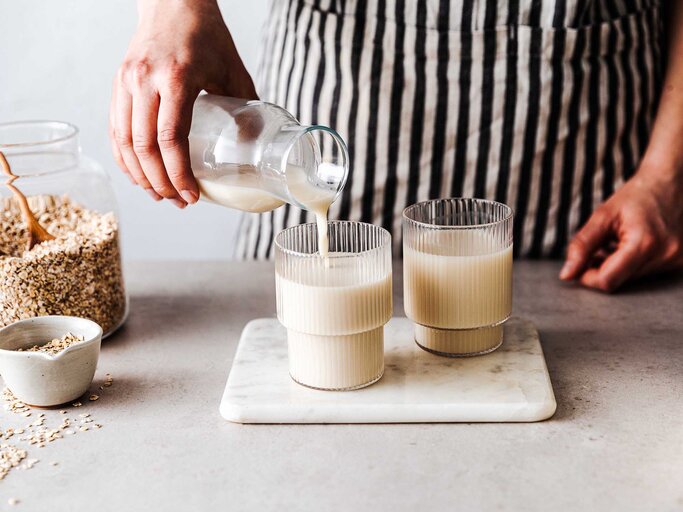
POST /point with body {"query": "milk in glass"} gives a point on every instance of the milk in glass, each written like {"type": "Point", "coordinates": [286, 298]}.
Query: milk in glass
{"type": "Point", "coordinates": [458, 290]}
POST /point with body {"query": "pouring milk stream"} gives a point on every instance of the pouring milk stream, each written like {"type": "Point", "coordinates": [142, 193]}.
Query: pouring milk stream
{"type": "Point", "coordinates": [254, 156]}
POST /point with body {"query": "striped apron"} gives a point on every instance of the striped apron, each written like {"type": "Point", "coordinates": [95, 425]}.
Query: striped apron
{"type": "Point", "coordinates": [543, 105]}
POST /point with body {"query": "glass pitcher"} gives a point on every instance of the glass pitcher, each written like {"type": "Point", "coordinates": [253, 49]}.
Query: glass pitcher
{"type": "Point", "coordinates": [255, 156]}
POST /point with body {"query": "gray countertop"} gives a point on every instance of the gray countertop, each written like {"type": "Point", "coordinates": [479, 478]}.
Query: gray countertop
{"type": "Point", "coordinates": [615, 443]}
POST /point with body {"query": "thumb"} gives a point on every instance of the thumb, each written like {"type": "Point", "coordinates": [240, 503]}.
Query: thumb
{"type": "Point", "coordinates": [584, 245]}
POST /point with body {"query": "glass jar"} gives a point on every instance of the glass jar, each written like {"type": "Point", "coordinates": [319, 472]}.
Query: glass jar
{"type": "Point", "coordinates": [79, 272]}
{"type": "Point", "coordinates": [255, 156]}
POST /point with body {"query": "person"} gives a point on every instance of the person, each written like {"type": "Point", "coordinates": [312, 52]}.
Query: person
{"type": "Point", "coordinates": [568, 110]}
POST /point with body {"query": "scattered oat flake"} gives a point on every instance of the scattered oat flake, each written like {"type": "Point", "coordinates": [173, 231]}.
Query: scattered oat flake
{"type": "Point", "coordinates": [13, 501]}
{"type": "Point", "coordinates": [10, 457]}
{"type": "Point", "coordinates": [30, 463]}
{"type": "Point", "coordinates": [37, 433]}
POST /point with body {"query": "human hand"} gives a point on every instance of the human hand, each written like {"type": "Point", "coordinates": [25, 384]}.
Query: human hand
{"type": "Point", "coordinates": [637, 231]}
{"type": "Point", "coordinates": [179, 48]}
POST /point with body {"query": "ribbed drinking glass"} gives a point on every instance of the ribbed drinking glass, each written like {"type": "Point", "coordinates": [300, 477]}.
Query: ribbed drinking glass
{"type": "Point", "coordinates": [334, 308]}
{"type": "Point", "coordinates": [457, 272]}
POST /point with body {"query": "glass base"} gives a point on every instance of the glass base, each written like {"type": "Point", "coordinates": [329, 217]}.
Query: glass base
{"type": "Point", "coordinates": [336, 363]}
{"type": "Point", "coordinates": [120, 323]}
{"type": "Point", "coordinates": [352, 388]}
{"type": "Point", "coordinates": [459, 342]}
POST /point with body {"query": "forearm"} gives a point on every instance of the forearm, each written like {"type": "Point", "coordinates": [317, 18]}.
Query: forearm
{"type": "Point", "coordinates": [664, 154]}
{"type": "Point", "coordinates": [645, 216]}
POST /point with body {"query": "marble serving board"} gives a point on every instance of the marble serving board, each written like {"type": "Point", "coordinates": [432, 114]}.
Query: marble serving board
{"type": "Point", "coordinates": [510, 384]}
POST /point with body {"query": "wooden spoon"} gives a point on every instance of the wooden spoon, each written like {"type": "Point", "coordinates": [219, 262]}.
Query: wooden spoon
{"type": "Point", "coordinates": [37, 233]}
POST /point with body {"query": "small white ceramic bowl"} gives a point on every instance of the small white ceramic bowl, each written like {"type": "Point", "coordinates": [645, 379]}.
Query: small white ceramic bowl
{"type": "Point", "coordinates": [41, 379]}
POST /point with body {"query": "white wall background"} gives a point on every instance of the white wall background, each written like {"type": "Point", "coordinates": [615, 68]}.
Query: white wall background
{"type": "Point", "coordinates": [57, 60]}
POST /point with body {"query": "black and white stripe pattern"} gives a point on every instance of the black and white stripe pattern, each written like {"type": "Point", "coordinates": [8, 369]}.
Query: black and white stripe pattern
{"type": "Point", "coordinates": [544, 105]}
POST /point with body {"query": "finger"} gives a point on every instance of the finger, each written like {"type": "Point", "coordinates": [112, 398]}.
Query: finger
{"type": "Point", "coordinates": [175, 118]}
{"type": "Point", "coordinates": [144, 126]}
{"type": "Point", "coordinates": [112, 136]}
{"type": "Point", "coordinates": [124, 140]}
{"type": "Point", "coordinates": [621, 265]}
{"type": "Point", "coordinates": [584, 245]}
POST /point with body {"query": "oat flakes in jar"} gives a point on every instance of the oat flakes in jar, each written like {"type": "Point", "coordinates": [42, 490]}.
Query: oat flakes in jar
{"type": "Point", "coordinates": [77, 271]}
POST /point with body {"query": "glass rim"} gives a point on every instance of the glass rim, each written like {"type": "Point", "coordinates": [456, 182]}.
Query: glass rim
{"type": "Point", "coordinates": [509, 213]}
{"type": "Point", "coordinates": [70, 132]}
{"type": "Point", "coordinates": [386, 240]}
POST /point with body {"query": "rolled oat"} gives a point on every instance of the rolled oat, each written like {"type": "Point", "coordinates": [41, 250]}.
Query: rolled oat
{"type": "Point", "coordinates": [78, 273]}
{"type": "Point", "coordinates": [56, 345]}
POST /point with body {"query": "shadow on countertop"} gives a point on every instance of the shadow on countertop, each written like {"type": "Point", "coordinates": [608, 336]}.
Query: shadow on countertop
{"type": "Point", "coordinates": [656, 282]}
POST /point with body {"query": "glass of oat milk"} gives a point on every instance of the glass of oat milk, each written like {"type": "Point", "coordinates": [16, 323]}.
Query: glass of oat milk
{"type": "Point", "coordinates": [334, 307]}
{"type": "Point", "coordinates": [457, 272]}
